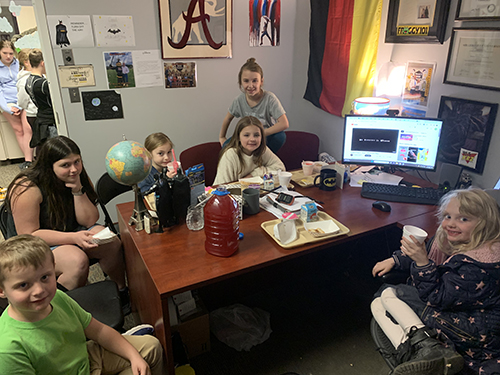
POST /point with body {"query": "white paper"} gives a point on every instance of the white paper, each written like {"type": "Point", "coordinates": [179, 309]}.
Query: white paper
{"type": "Point", "coordinates": [148, 68]}
{"type": "Point", "coordinates": [104, 236]}
{"type": "Point", "coordinates": [114, 31]}
{"type": "Point", "coordinates": [78, 30]}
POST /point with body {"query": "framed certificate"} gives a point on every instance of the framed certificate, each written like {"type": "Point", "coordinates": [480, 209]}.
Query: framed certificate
{"type": "Point", "coordinates": [417, 21]}
{"type": "Point", "coordinates": [474, 58]}
{"type": "Point", "coordinates": [478, 10]}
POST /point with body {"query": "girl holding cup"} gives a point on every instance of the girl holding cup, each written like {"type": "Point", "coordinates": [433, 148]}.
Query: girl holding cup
{"type": "Point", "coordinates": [160, 146]}
{"type": "Point", "coordinates": [454, 291]}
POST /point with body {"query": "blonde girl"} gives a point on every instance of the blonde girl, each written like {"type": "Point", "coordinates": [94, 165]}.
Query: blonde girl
{"type": "Point", "coordinates": [160, 146]}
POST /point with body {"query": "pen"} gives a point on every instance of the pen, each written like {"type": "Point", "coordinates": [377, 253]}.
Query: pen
{"type": "Point", "coordinates": [269, 199]}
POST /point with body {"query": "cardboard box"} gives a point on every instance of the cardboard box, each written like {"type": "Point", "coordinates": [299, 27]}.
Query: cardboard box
{"type": "Point", "coordinates": [195, 332]}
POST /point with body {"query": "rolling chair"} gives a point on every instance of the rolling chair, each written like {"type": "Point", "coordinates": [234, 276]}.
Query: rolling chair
{"type": "Point", "coordinates": [206, 153]}
{"type": "Point", "coordinates": [299, 146]}
{"type": "Point", "coordinates": [107, 189]}
{"type": "Point", "coordinates": [101, 299]}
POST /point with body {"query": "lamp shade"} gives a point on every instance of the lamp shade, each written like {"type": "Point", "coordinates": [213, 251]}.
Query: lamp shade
{"type": "Point", "coordinates": [370, 106]}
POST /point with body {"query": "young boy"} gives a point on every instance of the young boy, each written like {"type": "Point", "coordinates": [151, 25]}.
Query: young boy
{"type": "Point", "coordinates": [44, 331]}
{"type": "Point", "coordinates": [37, 88]}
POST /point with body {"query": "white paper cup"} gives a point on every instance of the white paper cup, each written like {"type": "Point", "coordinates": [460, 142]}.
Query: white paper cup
{"type": "Point", "coordinates": [419, 234]}
{"type": "Point", "coordinates": [307, 168]}
{"type": "Point", "coordinates": [285, 178]}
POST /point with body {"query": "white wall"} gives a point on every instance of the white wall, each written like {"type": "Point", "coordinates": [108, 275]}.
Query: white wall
{"type": "Point", "coordinates": [191, 116]}
{"type": "Point", "coordinates": [188, 116]}
{"type": "Point", "coordinates": [330, 128]}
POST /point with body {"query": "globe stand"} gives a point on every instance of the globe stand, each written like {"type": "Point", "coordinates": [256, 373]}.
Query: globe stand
{"type": "Point", "coordinates": [140, 211]}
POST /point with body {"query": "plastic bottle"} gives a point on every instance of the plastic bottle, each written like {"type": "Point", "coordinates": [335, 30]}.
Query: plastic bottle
{"type": "Point", "coordinates": [221, 224]}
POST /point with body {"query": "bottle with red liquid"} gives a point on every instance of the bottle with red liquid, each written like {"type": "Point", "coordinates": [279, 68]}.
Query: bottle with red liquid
{"type": "Point", "coordinates": [222, 224]}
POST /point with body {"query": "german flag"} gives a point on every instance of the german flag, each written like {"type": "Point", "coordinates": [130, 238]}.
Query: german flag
{"type": "Point", "coordinates": [343, 41]}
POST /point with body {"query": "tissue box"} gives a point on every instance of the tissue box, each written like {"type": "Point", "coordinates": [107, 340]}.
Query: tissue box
{"type": "Point", "coordinates": [309, 212]}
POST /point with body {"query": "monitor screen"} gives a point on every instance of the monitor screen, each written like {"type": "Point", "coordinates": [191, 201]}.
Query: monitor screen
{"type": "Point", "coordinates": [406, 142]}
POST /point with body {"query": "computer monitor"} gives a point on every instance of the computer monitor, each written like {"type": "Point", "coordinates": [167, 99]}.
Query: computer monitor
{"type": "Point", "coordinates": [405, 142]}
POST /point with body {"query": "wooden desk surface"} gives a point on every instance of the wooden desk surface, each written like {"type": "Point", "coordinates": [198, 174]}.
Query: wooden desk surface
{"type": "Point", "coordinates": [162, 264]}
{"type": "Point", "coordinates": [177, 261]}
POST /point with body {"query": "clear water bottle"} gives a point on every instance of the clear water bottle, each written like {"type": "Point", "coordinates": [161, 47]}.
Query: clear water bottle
{"type": "Point", "coordinates": [221, 224]}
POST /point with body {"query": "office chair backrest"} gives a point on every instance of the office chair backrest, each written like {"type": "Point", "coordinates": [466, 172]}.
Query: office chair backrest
{"type": "Point", "coordinates": [107, 189]}
{"type": "Point", "coordinates": [7, 226]}
{"type": "Point", "coordinates": [206, 153]}
{"type": "Point", "coordinates": [299, 146]}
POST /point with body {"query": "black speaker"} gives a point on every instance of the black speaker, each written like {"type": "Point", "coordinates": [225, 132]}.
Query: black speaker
{"type": "Point", "coordinates": [449, 175]}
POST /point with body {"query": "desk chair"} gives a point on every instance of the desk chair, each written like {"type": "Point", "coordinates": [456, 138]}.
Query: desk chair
{"type": "Point", "coordinates": [107, 189]}
{"type": "Point", "coordinates": [206, 153]}
{"type": "Point", "coordinates": [101, 299]}
{"type": "Point", "coordinates": [299, 146]}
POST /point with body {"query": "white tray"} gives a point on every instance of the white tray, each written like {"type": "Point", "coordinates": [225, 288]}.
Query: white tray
{"type": "Point", "coordinates": [304, 236]}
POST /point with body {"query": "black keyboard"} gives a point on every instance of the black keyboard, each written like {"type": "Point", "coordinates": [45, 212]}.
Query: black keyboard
{"type": "Point", "coordinates": [401, 193]}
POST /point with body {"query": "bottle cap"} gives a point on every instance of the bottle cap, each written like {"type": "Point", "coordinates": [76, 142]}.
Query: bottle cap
{"type": "Point", "coordinates": [221, 190]}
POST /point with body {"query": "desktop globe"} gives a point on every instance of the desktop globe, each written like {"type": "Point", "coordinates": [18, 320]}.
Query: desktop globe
{"type": "Point", "coordinates": [128, 162]}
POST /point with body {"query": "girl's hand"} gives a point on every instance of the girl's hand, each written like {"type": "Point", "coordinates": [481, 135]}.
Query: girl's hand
{"type": "Point", "coordinates": [171, 173]}
{"type": "Point", "coordinates": [74, 186]}
{"type": "Point", "coordinates": [381, 268]}
{"type": "Point", "coordinates": [222, 140]}
{"type": "Point", "coordinates": [415, 251]}
{"type": "Point", "coordinates": [84, 239]}
{"type": "Point", "coordinates": [15, 111]}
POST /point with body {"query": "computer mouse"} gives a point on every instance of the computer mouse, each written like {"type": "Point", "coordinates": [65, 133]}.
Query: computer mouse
{"type": "Point", "coordinates": [382, 206]}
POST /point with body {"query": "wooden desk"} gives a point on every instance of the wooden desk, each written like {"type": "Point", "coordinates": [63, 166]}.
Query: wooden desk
{"type": "Point", "coordinates": [160, 265]}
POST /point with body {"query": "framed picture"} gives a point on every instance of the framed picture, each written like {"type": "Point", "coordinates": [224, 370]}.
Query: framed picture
{"type": "Point", "coordinates": [466, 131]}
{"type": "Point", "coordinates": [473, 58]}
{"type": "Point", "coordinates": [478, 10]}
{"type": "Point", "coordinates": [417, 21]}
{"type": "Point", "coordinates": [418, 83]}
{"type": "Point", "coordinates": [195, 28]}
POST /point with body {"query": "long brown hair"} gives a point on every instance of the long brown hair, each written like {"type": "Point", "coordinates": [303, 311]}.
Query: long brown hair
{"type": "Point", "coordinates": [42, 175]}
{"type": "Point", "coordinates": [236, 144]}
{"type": "Point", "coordinates": [478, 204]}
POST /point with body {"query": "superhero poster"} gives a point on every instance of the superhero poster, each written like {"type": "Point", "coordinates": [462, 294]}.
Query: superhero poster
{"type": "Point", "coordinates": [195, 28]}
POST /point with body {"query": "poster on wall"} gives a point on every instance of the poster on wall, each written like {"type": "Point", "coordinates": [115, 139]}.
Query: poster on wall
{"type": "Point", "coordinates": [180, 74]}
{"type": "Point", "coordinates": [265, 23]}
{"type": "Point", "coordinates": [467, 129]}
{"type": "Point", "coordinates": [102, 105]}
{"type": "Point", "coordinates": [119, 69]}
{"type": "Point", "coordinates": [114, 31]}
{"type": "Point", "coordinates": [195, 28]}
{"type": "Point", "coordinates": [70, 31]}
{"type": "Point", "coordinates": [418, 83]}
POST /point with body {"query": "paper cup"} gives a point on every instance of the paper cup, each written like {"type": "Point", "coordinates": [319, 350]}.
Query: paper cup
{"type": "Point", "coordinates": [419, 234]}
{"type": "Point", "coordinates": [170, 165]}
{"type": "Point", "coordinates": [307, 168]}
{"type": "Point", "coordinates": [285, 178]}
